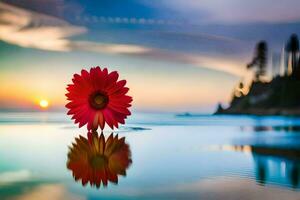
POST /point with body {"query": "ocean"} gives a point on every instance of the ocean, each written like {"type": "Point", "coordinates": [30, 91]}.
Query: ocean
{"type": "Point", "coordinates": [173, 157]}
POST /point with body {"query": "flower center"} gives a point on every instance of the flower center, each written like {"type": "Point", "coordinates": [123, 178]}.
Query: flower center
{"type": "Point", "coordinates": [98, 100]}
{"type": "Point", "coordinates": [98, 162]}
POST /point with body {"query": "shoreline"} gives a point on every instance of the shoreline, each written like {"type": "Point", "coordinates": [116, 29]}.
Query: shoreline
{"type": "Point", "coordinates": [261, 112]}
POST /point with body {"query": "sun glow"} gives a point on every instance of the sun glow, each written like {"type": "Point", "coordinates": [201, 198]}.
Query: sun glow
{"type": "Point", "coordinates": [44, 103]}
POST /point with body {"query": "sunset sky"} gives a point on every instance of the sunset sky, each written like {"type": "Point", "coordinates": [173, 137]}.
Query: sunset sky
{"type": "Point", "coordinates": [177, 55]}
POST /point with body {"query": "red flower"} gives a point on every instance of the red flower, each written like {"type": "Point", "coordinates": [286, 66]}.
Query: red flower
{"type": "Point", "coordinates": [97, 161]}
{"type": "Point", "coordinates": [97, 97]}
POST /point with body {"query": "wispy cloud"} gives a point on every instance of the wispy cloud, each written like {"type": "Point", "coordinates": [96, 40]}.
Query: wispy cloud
{"type": "Point", "coordinates": [34, 30]}
{"type": "Point", "coordinates": [236, 11]}
{"type": "Point", "coordinates": [218, 63]}
{"type": "Point", "coordinates": [29, 29]}
{"type": "Point", "coordinates": [108, 48]}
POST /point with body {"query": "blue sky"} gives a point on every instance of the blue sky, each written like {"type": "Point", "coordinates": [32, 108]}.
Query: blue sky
{"type": "Point", "coordinates": [192, 52]}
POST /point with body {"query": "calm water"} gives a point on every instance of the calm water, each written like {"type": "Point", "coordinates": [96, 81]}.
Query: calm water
{"type": "Point", "coordinates": [173, 157]}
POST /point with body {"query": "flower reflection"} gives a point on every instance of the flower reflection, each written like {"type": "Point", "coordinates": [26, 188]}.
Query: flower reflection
{"type": "Point", "coordinates": [97, 161]}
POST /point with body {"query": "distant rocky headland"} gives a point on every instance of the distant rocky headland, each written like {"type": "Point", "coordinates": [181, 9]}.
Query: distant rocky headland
{"type": "Point", "coordinates": [279, 96]}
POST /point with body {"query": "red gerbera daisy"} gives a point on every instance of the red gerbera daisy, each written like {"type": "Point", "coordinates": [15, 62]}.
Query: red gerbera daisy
{"type": "Point", "coordinates": [97, 97]}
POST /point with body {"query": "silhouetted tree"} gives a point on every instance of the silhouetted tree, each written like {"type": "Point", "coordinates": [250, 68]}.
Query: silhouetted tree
{"type": "Point", "coordinates": [241, 88]}
{"type": "Point", "coordinates": [292, 47]}
{"type": "Point", "coordinates": [298, 69]}
{"type": "Point", "coordinates": [241, 85]}
{"type": "Point", "coordinates": [296, 74]}
{"type": "Point", "coordinates": [260, 59]}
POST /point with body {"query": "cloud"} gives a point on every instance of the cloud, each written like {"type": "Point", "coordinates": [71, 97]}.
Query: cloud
{"type": "Point", "coordinates": [218, 63]}
{"type": "Point", "coordinates": [108, 48]}
{"type": "Point", "coordinates": [29, 29]}
{"type": "Point", "coordinates": [237, 11]}
{"type": "Point", "coordinates": [33, 30]}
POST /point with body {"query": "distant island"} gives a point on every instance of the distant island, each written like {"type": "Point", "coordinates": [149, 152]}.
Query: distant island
{"type": "Point", "coordinates": [278, 96]}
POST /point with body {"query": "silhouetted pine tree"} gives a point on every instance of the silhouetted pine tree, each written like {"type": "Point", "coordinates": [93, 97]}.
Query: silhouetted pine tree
{"type": "Point", "coordinates": [260, 59]}
{"type": "Point", "coordinates": [292, 48]}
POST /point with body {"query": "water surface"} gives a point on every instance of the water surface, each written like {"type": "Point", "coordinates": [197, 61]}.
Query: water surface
{"type": "Point", "coordinates": [173, 157]}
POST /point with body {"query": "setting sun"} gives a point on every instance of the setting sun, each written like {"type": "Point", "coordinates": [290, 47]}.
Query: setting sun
{"type": "Point", "coordinates": [44, 103]}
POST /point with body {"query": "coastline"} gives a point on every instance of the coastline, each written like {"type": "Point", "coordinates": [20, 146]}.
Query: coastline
{"type": "Point", "coordinates": [261, 112]}
{"type": "Point", "coordinates": [281, 96]}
